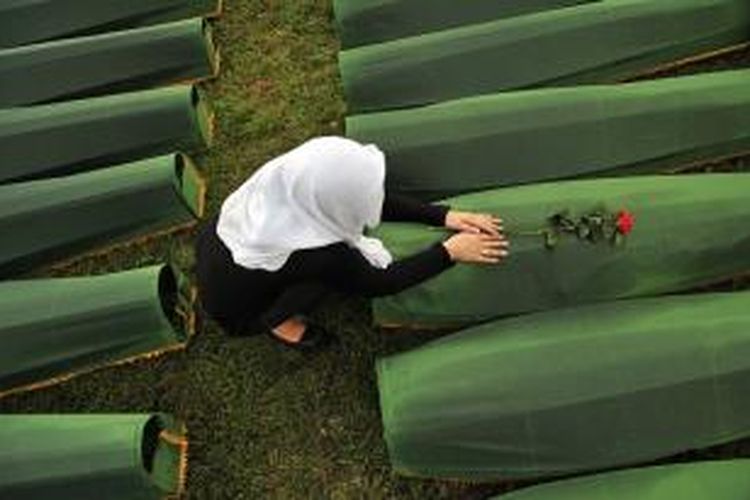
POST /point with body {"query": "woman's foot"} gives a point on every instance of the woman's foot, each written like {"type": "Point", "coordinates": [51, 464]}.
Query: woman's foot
{"type": "Point", "coordinates": [299, 334]}
{"type": "Point", "coordinates": [291, 331]}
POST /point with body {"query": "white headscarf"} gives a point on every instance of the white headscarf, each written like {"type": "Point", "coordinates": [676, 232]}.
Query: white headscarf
{"type": "Point", "coordinates": [323, 192]}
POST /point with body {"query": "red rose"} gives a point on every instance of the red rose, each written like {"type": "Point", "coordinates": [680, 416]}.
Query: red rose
{"type": "Point", "coordinates": [625, 222]}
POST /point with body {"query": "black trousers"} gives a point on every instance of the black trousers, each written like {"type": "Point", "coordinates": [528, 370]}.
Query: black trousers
{"type": "Point", "coordinates": [245, 301]}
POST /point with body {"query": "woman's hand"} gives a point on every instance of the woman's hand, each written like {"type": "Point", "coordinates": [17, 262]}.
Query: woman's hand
{"type": "Point", "coordinates": [477, 248]}
{"type": "Point", "coordinates": [473, 223]}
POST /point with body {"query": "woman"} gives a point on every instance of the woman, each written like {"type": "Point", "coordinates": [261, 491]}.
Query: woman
{"type": "Point", "coordinates": [293, 232]}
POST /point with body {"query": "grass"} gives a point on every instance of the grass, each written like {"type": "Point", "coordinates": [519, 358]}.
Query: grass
{"type": "Point", "coordinates": [265, 422]}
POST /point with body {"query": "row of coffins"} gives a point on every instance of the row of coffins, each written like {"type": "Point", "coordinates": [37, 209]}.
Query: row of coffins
{"type": "Point", "coordinates": [93, 154]}
{"type": "Point", "coordinates": [604, 40]}
{"type": "Point", "coordinates": [584, 358]}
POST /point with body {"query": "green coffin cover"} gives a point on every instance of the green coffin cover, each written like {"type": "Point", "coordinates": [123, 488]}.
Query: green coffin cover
{"type": "Point", "coordinates": [115, 62]}
{"type": "Point", "coordinates": [571, 390]}
{"type": "Point", "coordinates": [528, 136]}
{"type": "Point", "coordinates": [52, 329]}
{"type": "Point", "coordinates": [113, 457]}
{"type": "Point", "coordinates": [689, 231]}
{"type": "Point", "coordinates": [720, 480]}
{"type": "Point", "coordinates": [52, 218]}
{"type": "Point", "coordinates": [364, 22]}
{"type": "Point", "coordinates": [31, 21]}
{"type": "Point", "coordinates": [591, 43]}
{"type": "Point", "coordinates": [67, 137]}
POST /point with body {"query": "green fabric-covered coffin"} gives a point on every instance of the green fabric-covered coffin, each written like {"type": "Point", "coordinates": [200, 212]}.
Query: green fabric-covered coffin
{"type": "Point", "coordinates": [52, 329]}
{"type": "Point", "coordinates": [528, 136]}
{"type": "Point", "coordinates": [31, 21]}
{"type": "Point", "coordinates": [571, 390]}
{"type": "Point", "coordinates": [56, 139]}
{"type": "Point", "coordinates": [52, 218]}
{"type": "Point", "coordinates": [720, 480]}
{"type": "Point", "coordinates": [113, 457]}
{"type": "Point", "coordinates": [363, 22]}
{"type": "Point", "coordinates": [689, 231]}
{"type": "Point", "coordinates": [595, 42]}
{"type": "Point", "coordinates": [115, 62]}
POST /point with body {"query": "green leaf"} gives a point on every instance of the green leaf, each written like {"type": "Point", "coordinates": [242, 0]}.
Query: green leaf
{"type": "Point", "coordinates": [619, 239]}
{"type": "Point", "coordinates": [551, 239]}
{"type": "Point", "coordinates": [583, 231]}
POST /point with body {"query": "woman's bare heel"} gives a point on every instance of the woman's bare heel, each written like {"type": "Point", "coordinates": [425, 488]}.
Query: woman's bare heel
{"type": "Point", "coordinates": [297, 333]}
{"type": "Point", "coordinates": [291, 331]}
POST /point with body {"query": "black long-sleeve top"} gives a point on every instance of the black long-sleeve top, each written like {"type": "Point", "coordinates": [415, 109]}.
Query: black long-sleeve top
{"type": "Point", "coordinates": [230, 293]}
{"type": "Point", "coordinates": [345, 268]}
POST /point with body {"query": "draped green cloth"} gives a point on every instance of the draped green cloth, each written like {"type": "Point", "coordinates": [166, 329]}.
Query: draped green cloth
{"type": "Point", "coordinates": [590, 43]}
{"type": "Point", "coordinates": [31, 21]}
{"type": "Point", "coordinates": [364, 22]}
{"type": "Point", "coordinates": [47, 219]}
{"type": "Point", "coordinates": [571, 390]}
{"type": "Point", "coordinates": [113, 62]}
{"type": "Point", "coordinates": [128, 457]}
{"type": "Point", "coordinates": [689, 231]}
{"type": "Point", "coordinates": [534, 135]}
{"type": "Point", "coordinates": [51, 329]}
{"type": "Point", "coordinates": [67, 137]}
{"type": "Point", "coordinates": [720, 480]}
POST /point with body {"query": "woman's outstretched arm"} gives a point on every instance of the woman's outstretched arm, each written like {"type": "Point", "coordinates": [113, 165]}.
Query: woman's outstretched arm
{"type": "Point", "coordinates": [344, 268]}
{"type": "Point", "coordinates": [399, 208]}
